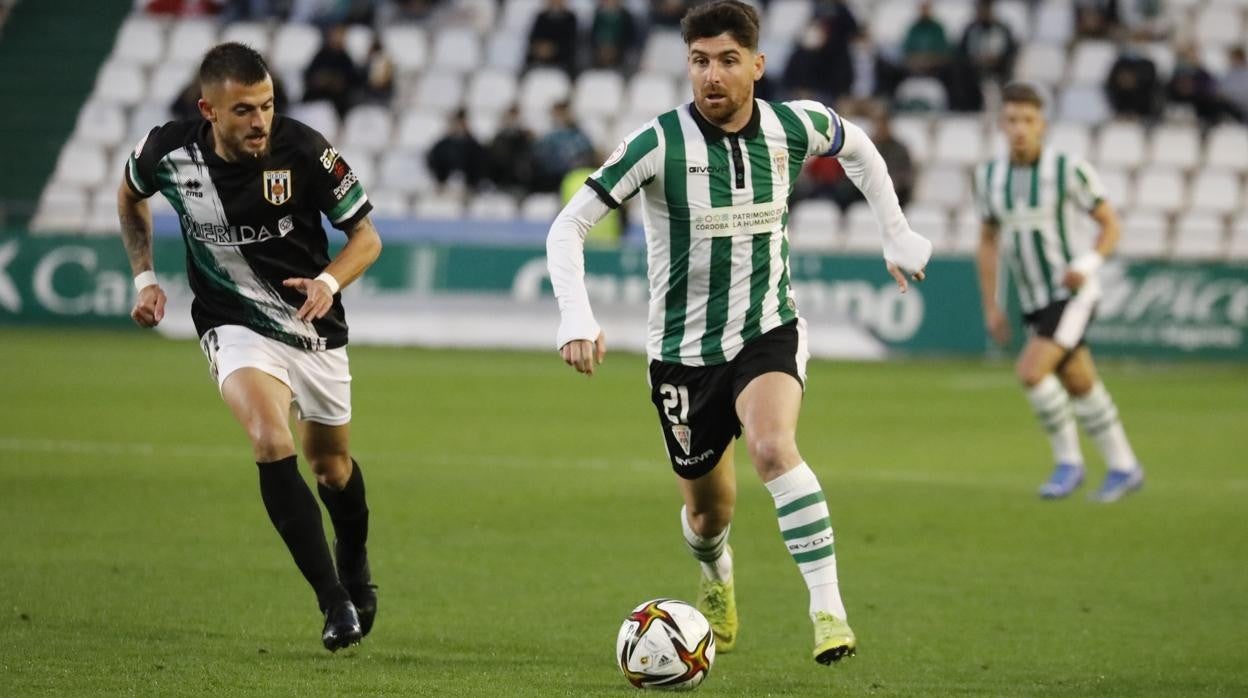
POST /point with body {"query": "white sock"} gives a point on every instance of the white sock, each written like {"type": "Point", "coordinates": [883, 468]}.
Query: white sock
{"type": "Point", "coordinates": [711, 553]}
{"type": "Point", "coordinates": [1052, 407]}
{"type": "Point", "coordinates": [1099, 417]}
{"type": "Point", "coordinates": [807, 530]}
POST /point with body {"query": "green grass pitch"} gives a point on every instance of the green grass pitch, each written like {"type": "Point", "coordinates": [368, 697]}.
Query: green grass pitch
{"type": "Point", "coordinates": [519, 511]}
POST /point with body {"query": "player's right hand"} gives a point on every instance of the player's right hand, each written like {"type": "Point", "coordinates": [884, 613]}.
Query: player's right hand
{"type": "Point", "coordinates": [997, 325]}
{"type": "Point", "coordinates": [149, 307]}
{"type": "Point", "coordinates": [583, 354]}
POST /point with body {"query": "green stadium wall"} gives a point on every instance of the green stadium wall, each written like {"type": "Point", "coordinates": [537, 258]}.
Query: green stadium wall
{"type": "Point", "coordinates": [1150, 309]}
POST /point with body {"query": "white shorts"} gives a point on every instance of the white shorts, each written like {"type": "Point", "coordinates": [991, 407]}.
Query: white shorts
{"type": "Point", "coordinates": [319, 381]}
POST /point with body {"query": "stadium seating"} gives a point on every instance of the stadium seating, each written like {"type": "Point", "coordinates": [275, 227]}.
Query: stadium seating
{"type": "Point", "coordinates": [1167, 179]}
{"type": "Point", "coordinates": [1143, 235]}
{"type": "Point", "coordinates": [1198, 236]}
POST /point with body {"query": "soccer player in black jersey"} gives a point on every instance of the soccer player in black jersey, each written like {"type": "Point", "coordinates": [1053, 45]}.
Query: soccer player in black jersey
{"type": "Point", "coordinates": [249, 188]}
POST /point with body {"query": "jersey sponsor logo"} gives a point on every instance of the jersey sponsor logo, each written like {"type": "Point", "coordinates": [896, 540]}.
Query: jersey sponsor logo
{"type": "Point", "coordinates": [684, 436]}
{"type": "Point", "coordinates": [193, 188]}
{"type": "Point", "coordinates": [328, 158]}
{"type": "Point", "coordinates": [339, 170]}
{"type": "Point", "coordinates": [217, 234]}
{"type": "Point", "coordinates": [345, 185]}
{"type": "Point", "coordinates": [746, 219]}
{"type": "Point", "coordinates": [708, 169]}
{"type": "Point", "coordinates": [277, 189]}
{"type": "Point", "coordinates": [285, 224]}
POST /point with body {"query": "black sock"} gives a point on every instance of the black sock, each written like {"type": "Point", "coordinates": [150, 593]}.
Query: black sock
{"type": "Point", "coordinates": [297, 518]}
{"type": "Point", "coordinates": [348, 510]}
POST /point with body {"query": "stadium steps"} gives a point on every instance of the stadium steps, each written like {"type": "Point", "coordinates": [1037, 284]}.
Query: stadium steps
{"type": "Point", "coordinates": [48, 66]}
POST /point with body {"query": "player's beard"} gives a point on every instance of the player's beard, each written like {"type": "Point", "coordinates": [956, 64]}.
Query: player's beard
{"type": "Point", "coordinates": [244, 155]}
{"type": "Point", "coordinates": [722, 112]}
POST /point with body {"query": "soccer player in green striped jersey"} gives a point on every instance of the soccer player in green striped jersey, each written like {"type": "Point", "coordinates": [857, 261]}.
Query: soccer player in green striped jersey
{"type": "Point", "coordinates": [1029, 199]}
{"type": "Point", "coordinates": [727, 348]}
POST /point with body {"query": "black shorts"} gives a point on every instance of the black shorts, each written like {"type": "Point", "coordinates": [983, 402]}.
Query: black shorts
{"type": "Point", "coordinates": [1065, 321]}
{"type": "Point", "coordinates": [697, 404]}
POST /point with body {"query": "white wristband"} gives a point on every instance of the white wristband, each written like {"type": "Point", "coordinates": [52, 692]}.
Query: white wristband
{"type": "Point", "coordinates": [329, 280]}
{"type": "Point", "coordinates": [1087, 263]}
{"type": "Point", "coordinates": [145, 279]}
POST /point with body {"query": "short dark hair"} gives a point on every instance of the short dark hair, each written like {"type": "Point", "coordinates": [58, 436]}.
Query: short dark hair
{"type": "Point", "coordinates": [1022, 93]}
{"type": "Point", "coordinates": [232, 61]}
{"type": "Point", "coordinates": [737, 19]}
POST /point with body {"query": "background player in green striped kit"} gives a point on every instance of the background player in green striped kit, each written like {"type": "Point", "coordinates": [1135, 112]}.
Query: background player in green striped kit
{"type": "Point", "coordinates": [249, 187]}
{"type": "Point", "coordinates": [726, 346]}
{"type": "Point", "coordinates": [1026, 199]}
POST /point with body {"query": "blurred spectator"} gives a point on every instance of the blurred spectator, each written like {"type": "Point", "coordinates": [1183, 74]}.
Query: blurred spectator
{"type": "Point", "coordinates": [1143, 20]}
{"type": "Point", "coordinates": [1132, 87]}
{"type": "Point", "coordinates": [667, 13]}
{"type": "Point", "coordinates": [840, 27]}
{"type": "Point", "coordinates": [391, 11]}
{"type": "Point", "coordinates": [607, 231]}
{"type": "Point", "coordinates": [926, 48]}
{"type": "Point", "coordinates": [875, 76]}
{"type": "Point", "coordinates": [988, 45]}
{"type": "Point", "coordinates": [808, 72]}
{"type": "Point", "coordinates": [183, 8]}
{"type": "Point", "coordinates": [565, 147]}
{"type": "Point", "coordinates": [332, 74]}
{"type": "Point", "coordinates": [457, 153]}
{"type": "Point", "coordinates": [378, 87]}
{"type": "Point", "coordinates": [1095, 19]}
{"type": "Point", "coordinates": [612, 36]}
{"type": "Point", "coordinates": [896, 156]}
{"type": "Point", "coordinates": [329, 12]}
{"type": "Point", "coordinates": [510, 154]}
{"type": "Point", "coordinates": [247, 10]}
{"type": "Point", "coordinates": [186, 104]}
{"type": "Point", "coordinates": [1234, 85]}
{"type": "Point", "coordinates": [552, 40]}
{"type": "Point", "coordinates": [1192, 84]}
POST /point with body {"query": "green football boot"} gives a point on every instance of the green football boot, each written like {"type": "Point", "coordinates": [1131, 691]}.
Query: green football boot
{"type": "Point", "coordinates": [833, 638]}
{"type": "Point", "coordinates": [718, 602]}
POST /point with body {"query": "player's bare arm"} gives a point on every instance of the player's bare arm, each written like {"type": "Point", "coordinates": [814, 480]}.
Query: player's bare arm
{"type": "Point", "coordinates": [362, 249]}
{"type": "Point", "coordinates": [136, 233]}
{"type": "Point", "coordinates": [986, 261]}
{"type": "Point", "coordinates": [1086, 264]}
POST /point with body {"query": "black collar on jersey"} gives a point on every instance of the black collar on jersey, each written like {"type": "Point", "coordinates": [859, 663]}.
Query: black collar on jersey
{"type": "Point", "coordinates": [712, 132]}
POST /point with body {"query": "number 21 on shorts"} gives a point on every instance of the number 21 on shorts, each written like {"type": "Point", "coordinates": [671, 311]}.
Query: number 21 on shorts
{"type": "Point", "coordinates": [675, 403]}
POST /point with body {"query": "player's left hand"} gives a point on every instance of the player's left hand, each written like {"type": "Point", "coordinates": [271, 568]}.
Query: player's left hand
{"type": "Point", "coordinates": [319, 300]}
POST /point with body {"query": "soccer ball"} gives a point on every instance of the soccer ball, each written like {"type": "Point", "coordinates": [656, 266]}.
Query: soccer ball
{"type": "Point", "coordinates": [665, 643]}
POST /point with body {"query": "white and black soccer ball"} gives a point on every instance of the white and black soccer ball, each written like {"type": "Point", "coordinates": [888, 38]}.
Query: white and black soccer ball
{"type": "Point", "coordinates": [666, 644]}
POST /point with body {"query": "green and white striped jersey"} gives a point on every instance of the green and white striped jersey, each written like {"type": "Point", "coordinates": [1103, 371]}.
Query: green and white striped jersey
{"type": "Point", "coordinates": [716, 220]}
{"type": "Point", "coordinates": [1039, 210]}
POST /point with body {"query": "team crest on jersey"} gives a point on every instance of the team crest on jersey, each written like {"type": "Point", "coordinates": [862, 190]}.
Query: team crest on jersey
{"type": "Point", "coordinates": [780, 163]}
{"type": "Point", "coordinates": [684, 436]}
{"type": "Point", "coordinates": [277, 186]}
